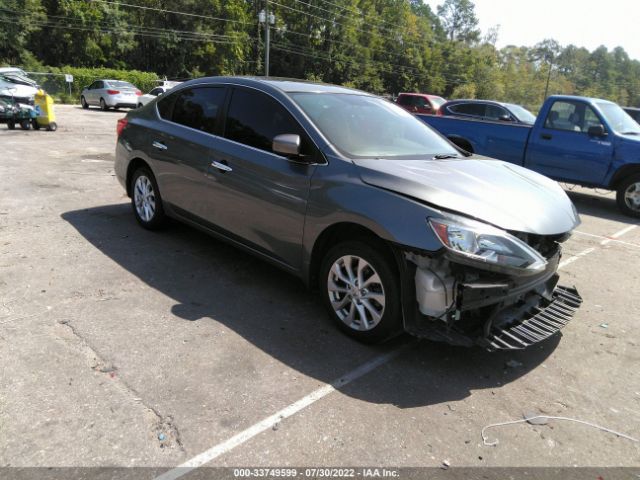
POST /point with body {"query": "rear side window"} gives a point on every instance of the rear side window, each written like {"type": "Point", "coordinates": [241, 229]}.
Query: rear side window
{"type": "Point", "coordinates": [194, 107]}
{"type": "Point", "coordinates": [254, 119]}
{"type": "Point", "coordinates": [404, 100]}
{"type": "Point", "coordinates": [474, 109]}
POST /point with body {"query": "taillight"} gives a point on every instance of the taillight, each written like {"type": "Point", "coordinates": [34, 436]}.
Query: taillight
{"type": "Point", "coordinates": [138, 92]}
{"type": "Point", "coordinates": [113, 92]}
{"type": "Point", "coordinates": [439, 112]}
{"type": "Point", "coordinates": [122, 123]}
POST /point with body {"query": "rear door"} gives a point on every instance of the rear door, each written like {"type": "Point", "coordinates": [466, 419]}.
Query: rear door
{"type": "Point", "coordinates": [183, 146]}
{"type": "Point", "coordinates": [562, 149]}
{"type": "Point", "coordinates": [261, 196]}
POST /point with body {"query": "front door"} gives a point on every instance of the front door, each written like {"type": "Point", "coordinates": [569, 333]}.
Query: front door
{"type": "Point", "coordinates": [563, 149]}
{"type": "Point", "coordinates": [262, 196]}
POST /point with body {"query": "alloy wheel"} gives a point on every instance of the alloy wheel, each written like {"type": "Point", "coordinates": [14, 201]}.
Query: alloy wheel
{"type": "Point", "coordinates": [632, 196]}
{"type": "Point", "coordinates": [356, 293]}
{"type": "Point", "coordinates": [144, 198]}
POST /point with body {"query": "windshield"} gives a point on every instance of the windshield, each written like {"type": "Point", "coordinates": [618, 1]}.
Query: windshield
{"type": "Point", "coordinates": [369, 127]}
{"type": "Point", "coordinates": [618, 119]}
{"type": "Point", "coordinates": [119, 84]}
{"type": "Point", "coordinates": [522, 114]}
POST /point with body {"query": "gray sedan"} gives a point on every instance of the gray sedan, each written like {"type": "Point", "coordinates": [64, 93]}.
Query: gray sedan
{"type": "Point", "coordinates": [397, 228]}
{"type": "Point", "coordinates": [108, 94]}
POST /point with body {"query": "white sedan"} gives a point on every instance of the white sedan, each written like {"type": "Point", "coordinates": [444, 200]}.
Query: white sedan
{"type": "Point", "coordinates": [156, 92]}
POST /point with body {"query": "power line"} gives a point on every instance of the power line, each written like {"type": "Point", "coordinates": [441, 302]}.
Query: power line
{"type": "Point", "coordinates": [399, 40]}
{"type": "Point", "coordinates": [158, 30]}
{"type": "Point", "coordinates": [163, 10]}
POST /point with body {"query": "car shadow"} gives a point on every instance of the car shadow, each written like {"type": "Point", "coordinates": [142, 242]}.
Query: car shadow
{"type": "Point", "coordinates": [208, 279]}
{"type": "Point", "coordinates": [601, 206]}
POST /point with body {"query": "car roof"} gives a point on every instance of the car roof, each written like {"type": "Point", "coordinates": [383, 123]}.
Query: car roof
{"type": "Point", "coordinates": [476, 100]}
{"type": "Point", "coordinates": [579, 98]}
{"type": "Point", "coordinates": [286, 85]}
{"type": "Point", "coordinates": [635, 109]}
{"type": "Point", "coordinates": [10, 69]}
{"type": "Point", "coordinates": [417, 94]}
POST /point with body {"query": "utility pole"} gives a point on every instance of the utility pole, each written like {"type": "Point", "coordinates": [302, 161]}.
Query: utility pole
{"type": "Point", "coordinates": [267, 41]}
{"type": "Point", "coordinates": [546, 89]}
{"type": "Point", "coordinates": [268, 19]}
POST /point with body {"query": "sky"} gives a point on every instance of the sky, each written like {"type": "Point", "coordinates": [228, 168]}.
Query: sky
{"type": "Point", "coordinates": [584, 23]}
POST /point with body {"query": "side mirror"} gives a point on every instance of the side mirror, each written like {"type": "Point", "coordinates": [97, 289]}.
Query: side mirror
{"type": "Point", "coordinates": [504, 118]}
{"type": "Point", "coordinates": [596, 131]}
{"type": "Point", "coordinates": [287, 144]}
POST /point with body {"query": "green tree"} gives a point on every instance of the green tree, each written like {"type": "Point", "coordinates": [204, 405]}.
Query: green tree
{"type": "Point", "coordinates": [459, 20]}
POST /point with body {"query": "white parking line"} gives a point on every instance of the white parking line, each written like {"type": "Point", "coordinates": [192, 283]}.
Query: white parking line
{"type": "Point", "coordinates": [578, 256]}
{"type": "Point", "coordinates": [610, 238]}
{"type": "Point", "coordinates": [321, 392]}
{"type": "Point", "coordinates": [286, 412]}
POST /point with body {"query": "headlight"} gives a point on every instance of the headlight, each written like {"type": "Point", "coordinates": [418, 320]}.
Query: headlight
{"type": "Point", "coordinates": [481, 243]}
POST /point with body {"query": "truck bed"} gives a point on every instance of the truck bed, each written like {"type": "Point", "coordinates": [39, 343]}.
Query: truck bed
{"type": "Point", "coordinates": [500, 140]}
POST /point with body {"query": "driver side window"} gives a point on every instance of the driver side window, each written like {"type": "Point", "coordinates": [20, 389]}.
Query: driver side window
{"type": "Point", "coordinates": [571, 117]}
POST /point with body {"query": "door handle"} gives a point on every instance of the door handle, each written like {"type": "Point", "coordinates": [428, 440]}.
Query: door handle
{"type": "Point", "coordinates": [546, 136]}
{"type": "Point", "coordinates": [222, 166]}
{"type": "Point", "coordinates": [159, 146]}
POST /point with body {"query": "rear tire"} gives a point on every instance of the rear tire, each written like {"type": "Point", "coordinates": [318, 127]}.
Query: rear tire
{"type": "Point", "coordinates": [35, 124]}
{"type": "Point", "coordinates": [361, 290]}
{"type": "Point", "coordinates": [84, 103]}
{"type": "Point", "coordinates": [25, 124]}
{"type": "Point", "coordinates": [11, 125]}
{"type": "Point", "coordinates": [145, 200]}
{"type": "Point", "coordinates": [52, 127]}
{"type": "Point", "coordinates": [628, 196]}
{"type": "Point", "coordinates": [103, 105]}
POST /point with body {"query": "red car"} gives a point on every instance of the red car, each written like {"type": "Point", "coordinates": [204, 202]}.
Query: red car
{"type": "Point", "coordinates": [420, 102]}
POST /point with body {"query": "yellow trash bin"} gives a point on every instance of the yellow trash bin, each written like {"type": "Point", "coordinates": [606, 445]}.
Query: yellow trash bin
{"type": "Point", "coordinates": [46, 116]}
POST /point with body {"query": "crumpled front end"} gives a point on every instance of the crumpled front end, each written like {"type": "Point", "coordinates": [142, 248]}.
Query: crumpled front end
{"type": "Point", "coordinates": [457, 303]}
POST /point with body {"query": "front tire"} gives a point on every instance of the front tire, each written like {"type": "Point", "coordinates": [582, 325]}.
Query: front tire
{"type": "Point", "coordinates": [84, 103]}
{"type": "Point", "coordinates": [25, 124]}
{"type": "Point", "coordinates": [361, 291]}
{"type": "Point", "coordinates": [146, 201]}
{"type": "Point", "coordinates": [628, 196]}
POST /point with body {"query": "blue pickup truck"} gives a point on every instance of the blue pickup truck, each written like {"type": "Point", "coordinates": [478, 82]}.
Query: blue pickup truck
{"type": "Point", "coordinates": [578, 140]}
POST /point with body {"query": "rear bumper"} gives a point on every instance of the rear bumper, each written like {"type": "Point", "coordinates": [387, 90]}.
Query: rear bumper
{"type": "Point", "coordinates": [124, 105]}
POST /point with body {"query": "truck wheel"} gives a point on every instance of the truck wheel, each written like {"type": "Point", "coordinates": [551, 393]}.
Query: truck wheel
{"type": "Point", "coordinates": [25, 124]}
{"type": "Point", "coordinates": [35, 124]}
{"type": "Point", "coordinates": [145, 200]}
{"type": "Point", "coordinates": [628, 196]}
{"type": "Point", "coordinates": [52, 127]}
{"type": "Point", "coordinates": [360, 289]}
{"type": "Point", "coordinates": [11, 125]}
{"type": "Point", "coordinates": [84, 103]}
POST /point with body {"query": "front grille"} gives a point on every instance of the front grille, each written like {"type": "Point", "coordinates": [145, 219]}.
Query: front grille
{"type": "Point", "coordinates": [542, 325]}
{"type": "Point", "coordinates": [546, 245]}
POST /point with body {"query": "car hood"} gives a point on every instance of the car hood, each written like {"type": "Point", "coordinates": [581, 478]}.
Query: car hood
{"type": "Point", "coordinates": [496, 192]}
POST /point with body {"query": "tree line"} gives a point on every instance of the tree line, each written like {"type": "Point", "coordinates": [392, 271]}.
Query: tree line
{"type": "Point", "coordinates": [382, 46]}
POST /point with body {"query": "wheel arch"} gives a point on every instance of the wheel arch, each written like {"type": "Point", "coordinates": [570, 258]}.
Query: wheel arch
{"type": "Point", "coordinates": [134, 165]}
{"type": "Point", "coordinates": [622, 173]}
{"type": "Point", "coordinates": [461, 142]}
{"type": "Point", "coordinates": [340, 232]}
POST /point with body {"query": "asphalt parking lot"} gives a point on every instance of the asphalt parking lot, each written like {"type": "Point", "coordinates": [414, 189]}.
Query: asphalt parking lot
{"type": "Point", "coordinates": [123, 347]}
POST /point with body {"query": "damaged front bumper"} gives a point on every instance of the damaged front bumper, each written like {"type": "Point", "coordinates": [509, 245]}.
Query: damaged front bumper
{"type": "Point", "coordinates": [456, 304]}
